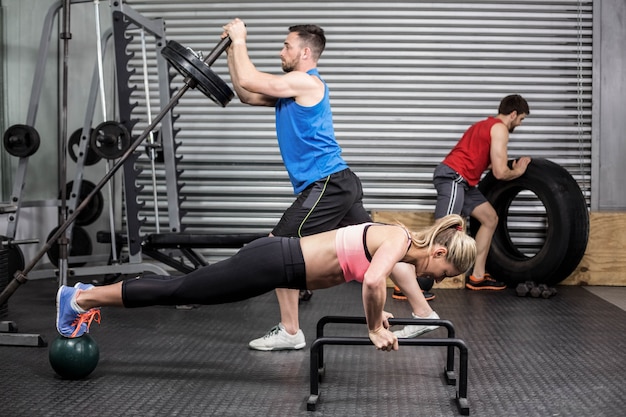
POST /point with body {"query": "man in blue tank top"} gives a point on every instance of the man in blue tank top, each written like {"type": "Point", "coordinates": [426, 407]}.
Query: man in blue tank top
{"type": "Point", "coordinates": [329, 194]}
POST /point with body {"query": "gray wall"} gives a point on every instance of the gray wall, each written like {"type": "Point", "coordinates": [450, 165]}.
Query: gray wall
{"type": "Point", "coordinates": [609, 108]}
{"type": "Point", "coordinates": [406, 79]}
{"type": "Point", "coordinates": [21, 32]}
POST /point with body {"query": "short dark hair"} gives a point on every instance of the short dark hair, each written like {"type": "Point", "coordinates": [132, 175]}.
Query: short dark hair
{"type": "Point", "coordinates": [312, 36]}
{"type": "Point", "coordinates": [512, 103]}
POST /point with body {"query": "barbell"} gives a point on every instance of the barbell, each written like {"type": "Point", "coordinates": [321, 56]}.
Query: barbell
{"type": "Point", "coordinates": [189, 63]}
{"type": "Point", "coordinates": [110, 139]}
{"type": "Point", "coordinates": [191, 81]}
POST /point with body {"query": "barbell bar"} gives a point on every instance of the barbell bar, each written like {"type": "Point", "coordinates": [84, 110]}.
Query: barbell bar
{"type": "Point", "coordinates": [21, 277]}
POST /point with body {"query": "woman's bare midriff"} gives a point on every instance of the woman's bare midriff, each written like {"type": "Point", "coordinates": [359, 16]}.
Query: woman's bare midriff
{"type": "Point", "coordinates": [322, 266]}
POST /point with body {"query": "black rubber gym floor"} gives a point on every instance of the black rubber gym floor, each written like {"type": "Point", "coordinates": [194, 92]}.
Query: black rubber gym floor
{"type": "Point", "coordinates": [562, 356]}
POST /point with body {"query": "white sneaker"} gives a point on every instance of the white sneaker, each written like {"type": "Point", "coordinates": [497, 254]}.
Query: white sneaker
{"type": "Point", "coordinates": [414, 331]}
{"type": "Point", "coordinates": [278, 339]}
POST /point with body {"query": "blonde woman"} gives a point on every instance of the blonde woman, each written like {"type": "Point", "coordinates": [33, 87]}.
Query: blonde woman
{"type": "Point", "coordinates": [365, 253]}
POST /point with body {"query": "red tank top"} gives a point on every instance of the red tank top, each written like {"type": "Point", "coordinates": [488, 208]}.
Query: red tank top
{"type": "Point", "coordinates": [471, 155]}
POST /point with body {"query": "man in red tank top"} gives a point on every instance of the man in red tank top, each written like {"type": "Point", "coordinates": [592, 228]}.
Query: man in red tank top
{"type": "Point", "coordinates": [483, 146]}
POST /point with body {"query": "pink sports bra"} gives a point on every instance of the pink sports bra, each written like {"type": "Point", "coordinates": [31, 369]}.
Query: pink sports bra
{"type": "Point", "coordinates": [352, 253]}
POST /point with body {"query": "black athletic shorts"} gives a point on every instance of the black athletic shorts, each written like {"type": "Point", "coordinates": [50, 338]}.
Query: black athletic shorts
{"type": "Point", "coordinates": [327, 204]}
{"type": "Point", "coordinates": [454, 194]}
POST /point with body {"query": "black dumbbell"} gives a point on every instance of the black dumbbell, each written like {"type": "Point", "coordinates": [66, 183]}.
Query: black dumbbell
{"type": "Point", "coordinates": [548, 292]}
{"type": "Point", "coordinates": [521, 290]}
{"type": "Point", "coordinates": [535, 292]}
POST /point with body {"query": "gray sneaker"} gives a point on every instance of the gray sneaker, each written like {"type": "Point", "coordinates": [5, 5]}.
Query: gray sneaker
{"type": "Point", "coordinates": [278, 339]}
{"type": "Point", "coordinates": [414, 331]}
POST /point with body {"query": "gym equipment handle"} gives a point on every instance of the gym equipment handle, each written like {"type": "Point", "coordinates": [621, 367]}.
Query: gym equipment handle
{"type": "Point", "coordinates": [221, 46]}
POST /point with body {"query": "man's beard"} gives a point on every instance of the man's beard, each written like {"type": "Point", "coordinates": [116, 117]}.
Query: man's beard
{"type": "Point", "coordinates": [288, 66]}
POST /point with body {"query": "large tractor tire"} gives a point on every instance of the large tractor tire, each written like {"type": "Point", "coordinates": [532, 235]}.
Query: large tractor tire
{"type": "Point", "coordinates": [567, 225]}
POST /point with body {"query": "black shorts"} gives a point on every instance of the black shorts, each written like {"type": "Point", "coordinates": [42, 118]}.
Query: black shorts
{"type": "Point", "coordinates": [332, 202]}
{"type": "Point", "coordinates": [454, 194]}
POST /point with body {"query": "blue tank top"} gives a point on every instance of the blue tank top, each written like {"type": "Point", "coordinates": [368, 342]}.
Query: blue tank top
{"type": "Point", "coordinates": [306, 138]}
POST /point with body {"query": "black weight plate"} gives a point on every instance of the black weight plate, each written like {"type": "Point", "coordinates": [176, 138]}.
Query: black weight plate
{"type": "Point", "coordinates": [21, 140]}
{"type": "Point", "coordinates": [110, 140]}
{"type": "Point", "coordinates": [214, 84]}
{"type": "Point", "coordinates": [73, 145]}
{"type": "Point", "coordinates": [16, 257]}
{"type": "Point", "coordinates": [79, 246]}
{"type": "Point", "coordinates": [93, 209]}
{"type": "Point", "coordinates": [187, 63]}
{"type": "Point", "coordinates": [217, 84]}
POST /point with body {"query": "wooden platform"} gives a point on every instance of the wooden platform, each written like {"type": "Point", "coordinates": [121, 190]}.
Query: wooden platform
{"type": "Point", "coordinates": [604, 262]}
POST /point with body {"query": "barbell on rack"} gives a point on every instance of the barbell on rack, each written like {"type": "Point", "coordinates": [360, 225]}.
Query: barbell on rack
{"type": "Point", "coordinates": [191, 81]}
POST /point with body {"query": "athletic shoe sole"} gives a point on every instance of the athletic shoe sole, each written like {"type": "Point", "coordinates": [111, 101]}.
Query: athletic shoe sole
{"type": "Point", "coordinates": [486, 287]}
{"type": "Point", "coordinates": [400, 335]}
{"type": "Point", "coordinates": [428, 295]}
{"type": "Point", "coordinates": [269, 349]}
{"type": "Point", "coordinates": [60, 292]}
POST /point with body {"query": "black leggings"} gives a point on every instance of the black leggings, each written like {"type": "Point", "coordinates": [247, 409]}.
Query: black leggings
{"type": "Point", "coordinates": [259, 267]}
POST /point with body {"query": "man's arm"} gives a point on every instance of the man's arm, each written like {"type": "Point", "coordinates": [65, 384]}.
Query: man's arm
{"type": "Point", "coordinates": [499, 156]}
{"type": "Point", "coordinates": [259, 88]}
{"type": "Point", "coordinates": [245, 96]}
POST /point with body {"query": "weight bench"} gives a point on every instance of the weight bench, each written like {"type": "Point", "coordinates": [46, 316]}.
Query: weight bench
{"type": "Point", "coordinates": [317, 368]}
{"type": "Point", "coordinates": [186, 243]}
